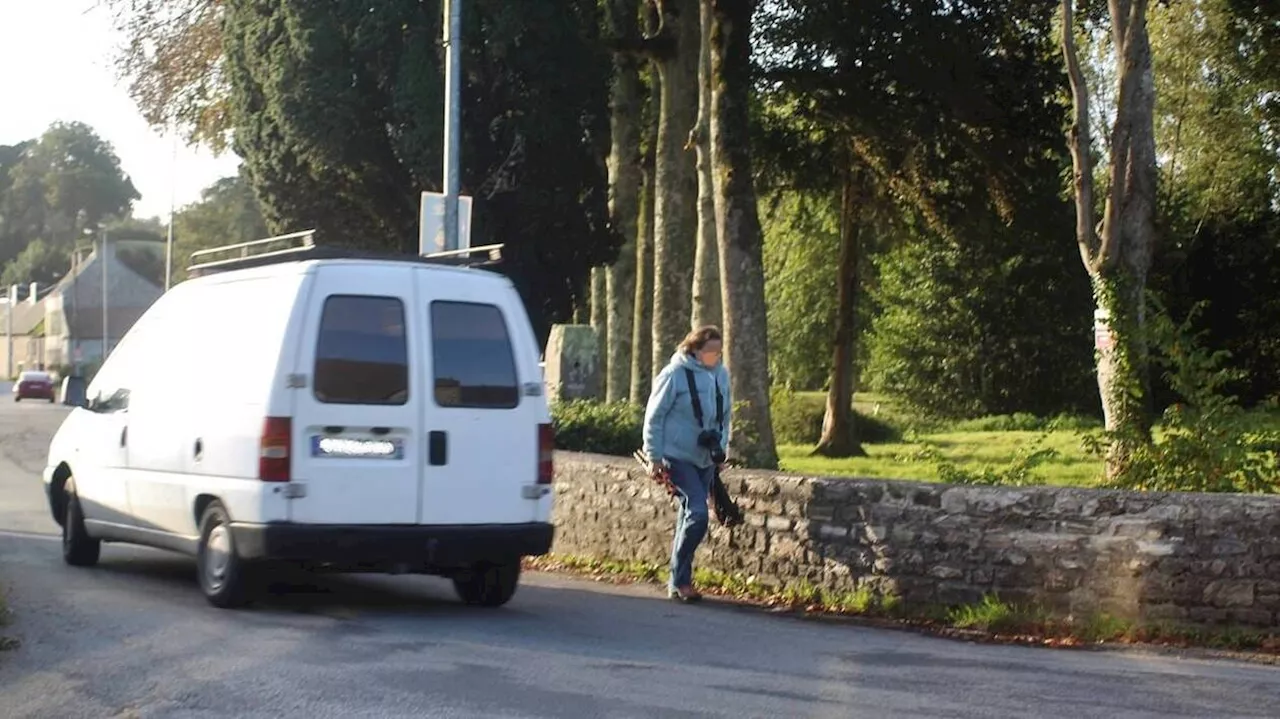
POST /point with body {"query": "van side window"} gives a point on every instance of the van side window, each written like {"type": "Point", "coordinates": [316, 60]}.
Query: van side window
{"type": "Point", "coordinates": [474, 362]}
{"type": "Point", "coordinates": [362, 356]}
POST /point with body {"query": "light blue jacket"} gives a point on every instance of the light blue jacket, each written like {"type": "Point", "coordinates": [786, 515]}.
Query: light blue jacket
{"type": "Point", "coordinates": [670, 430]}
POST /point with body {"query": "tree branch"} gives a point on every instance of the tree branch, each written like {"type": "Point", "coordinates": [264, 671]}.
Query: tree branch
{"type": "Point", "coordinates": [1080, 144]}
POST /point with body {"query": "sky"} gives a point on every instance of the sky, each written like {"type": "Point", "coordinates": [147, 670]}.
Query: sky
{"type": "Point", "coordinates": [56, 65]}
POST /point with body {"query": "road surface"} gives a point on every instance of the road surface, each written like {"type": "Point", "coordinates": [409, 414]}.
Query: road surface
{"type": "Point", "coordinates": [134, 638]}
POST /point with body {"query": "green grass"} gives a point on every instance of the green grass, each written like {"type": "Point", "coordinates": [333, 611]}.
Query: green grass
{"type": "Point", "coordinates": [971, 450]}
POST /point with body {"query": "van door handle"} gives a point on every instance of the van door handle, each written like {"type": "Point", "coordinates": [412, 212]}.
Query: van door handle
{"type": "Point", "coordinates": [437, 449]}
{"type": "Point", "coordinates": [124, 436]}
{"type": "Point", "coordinates": [199, 451]}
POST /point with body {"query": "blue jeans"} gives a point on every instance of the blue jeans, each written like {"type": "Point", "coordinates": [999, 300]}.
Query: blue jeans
{"type": "Point", "coordinates": [694, 484]}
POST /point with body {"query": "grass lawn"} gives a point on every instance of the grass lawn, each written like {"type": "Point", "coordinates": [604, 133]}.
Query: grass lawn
{"type": "Point", "coordinates": [969, 450]}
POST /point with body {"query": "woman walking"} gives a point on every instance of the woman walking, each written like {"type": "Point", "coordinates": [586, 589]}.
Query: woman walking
{"type": "Point", "coordinates": [686, 431]}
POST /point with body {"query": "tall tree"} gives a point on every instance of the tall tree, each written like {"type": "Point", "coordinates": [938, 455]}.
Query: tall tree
{"type": "Point", "coordinates": [676, 49]}
{"type": "Point", "coordinates": [227, 213]}
{"type": "Point", "coordinates": [625, 179]}
{"type": "Point", "coordinates": [642, 327]}
{"type": "Point", "coordinates": [740, 238]}
{"type": "Point", "coordinates": [1117, 252]}
{"type": "Point", "coordinates": [337, 114]}
{"type": "Point", "coordinates": [67, 182]}
{"type": "Point", "coordinates": [706, 267]}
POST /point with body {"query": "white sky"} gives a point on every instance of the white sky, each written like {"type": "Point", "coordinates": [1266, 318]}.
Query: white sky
{"type": "Point", "coordinates": [56, 64]}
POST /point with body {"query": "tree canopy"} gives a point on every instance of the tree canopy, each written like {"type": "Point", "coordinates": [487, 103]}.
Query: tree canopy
{"type": "Point", "coordinates": [338, 113]}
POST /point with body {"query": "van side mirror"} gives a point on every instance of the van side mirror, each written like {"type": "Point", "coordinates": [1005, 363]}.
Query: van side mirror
{"type": "Point", "coordinates": [74, 392]}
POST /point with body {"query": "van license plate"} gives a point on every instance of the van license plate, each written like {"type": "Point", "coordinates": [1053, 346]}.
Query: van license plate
{"type": "Point", "coordinates": [357, 448]}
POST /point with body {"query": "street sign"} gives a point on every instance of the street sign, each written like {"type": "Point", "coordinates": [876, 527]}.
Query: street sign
{"type": "Point", "coordinates": [431, 223]}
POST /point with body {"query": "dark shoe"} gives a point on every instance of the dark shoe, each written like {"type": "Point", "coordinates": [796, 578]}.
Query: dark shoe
{"type": "Point", "coordinates": [683, 594]}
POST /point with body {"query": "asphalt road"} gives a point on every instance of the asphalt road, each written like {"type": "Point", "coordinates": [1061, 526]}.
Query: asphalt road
{"type": "Point", "coordinates": [134, 638]}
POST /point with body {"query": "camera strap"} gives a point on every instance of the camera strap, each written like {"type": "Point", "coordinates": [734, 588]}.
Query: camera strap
{"type": "Point", "coordinates": [696, 399]}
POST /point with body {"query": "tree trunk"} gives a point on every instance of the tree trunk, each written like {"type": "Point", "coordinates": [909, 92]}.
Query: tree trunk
{"type": "Point", "coordinates": [676, 181]}
{"type": "Point", "coordinates": [642, 338]}
{"type": "Point", "coordinates": [600, 316]}
{"type": "Point", "coordinates": [740, 237]}
{"type": "Point", "coordinates": [706, 265]}
{"type": "Point", "coordinates": [624, 199]}
{"type": "Point", "coordinates": [839, 426]}
{"type": "Point", "coordinates": [1118, 254]}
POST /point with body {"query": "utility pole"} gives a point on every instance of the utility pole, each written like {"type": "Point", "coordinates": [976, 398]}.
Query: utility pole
{"type": "Point", "coordinates": [106, 336]}
{"type": "Point", "coordinates": [452, 119]}
{"type": "Point", "coordinates": [173, 172]}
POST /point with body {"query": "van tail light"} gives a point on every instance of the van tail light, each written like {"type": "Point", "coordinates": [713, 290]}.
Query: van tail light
{"type": "Point", "coordinates": [546, 453]}
{"type": "Point", "coordinates": [273, 456]}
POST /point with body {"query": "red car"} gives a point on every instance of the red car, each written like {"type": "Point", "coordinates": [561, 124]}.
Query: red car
{"type": "Point", "coordinates": [33, 385]}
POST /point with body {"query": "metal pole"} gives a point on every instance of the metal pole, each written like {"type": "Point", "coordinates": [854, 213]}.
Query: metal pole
{"type": "Point", "coordinates": [106, 341]}
{"type": "Point", "coordinates": [8, 327]}
{"type": "Point", "coordinates": [452, 119]}
{"type": "Point", "coordinates": [168, 246]}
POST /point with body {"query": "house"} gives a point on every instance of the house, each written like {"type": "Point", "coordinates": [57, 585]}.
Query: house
{"type": "Point", "coordinates": [73, 318]}
{"type": "Point", "coordinates": [23, 325]}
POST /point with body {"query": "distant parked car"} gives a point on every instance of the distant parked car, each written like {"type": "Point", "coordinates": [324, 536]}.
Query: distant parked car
{"type": "Point", "coordinates": [33, 384]}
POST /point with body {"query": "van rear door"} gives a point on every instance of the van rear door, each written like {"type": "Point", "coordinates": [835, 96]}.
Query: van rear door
{"type": "Point", "coordinates": [482, 438]}
{"type": "Point", "coordinates": [356, 426]}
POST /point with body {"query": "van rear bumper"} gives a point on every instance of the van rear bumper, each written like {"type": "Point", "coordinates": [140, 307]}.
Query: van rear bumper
{"type": "Point", "coordinates": [425, 548]}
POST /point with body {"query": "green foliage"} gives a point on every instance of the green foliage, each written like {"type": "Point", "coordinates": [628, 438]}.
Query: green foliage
{"type": "Point", "coordinates": [797, 419]}
{"type": "Point", "coordinates": [801, 241]}
{"type": "Point", "coordinates": [600, 428]}
{"type": "Point", "coordinates": [226, 214]}
{"type": "Point", "coordinates": [997, 325]}
{"type": "Point", "coordinates": [38, 262]}
{"type": "Point", "coordinates": [55, 188]}
{"type": "Point", "coordinates": [337, 113]}
{"type": "Point", "coordinates": [1207, 442]}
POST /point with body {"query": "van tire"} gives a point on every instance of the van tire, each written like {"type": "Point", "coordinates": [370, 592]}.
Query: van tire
{"type": "Point", "coordinates": [78, 548]}
{"type": "Point", "coordinates": [488, 585]}
{"type": "Point", "coordinates": [224, 577]}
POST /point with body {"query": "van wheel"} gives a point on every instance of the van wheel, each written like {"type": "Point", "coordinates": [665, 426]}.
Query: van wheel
{"type": "Point", "coordinates": [223, 575]}
{"type": "Point", "coordinates": [488, 585]}
{"type": "Point", "coordinates": [78, 548]}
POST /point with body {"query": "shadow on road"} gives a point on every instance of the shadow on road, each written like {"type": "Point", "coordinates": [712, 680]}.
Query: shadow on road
{"type": "Point", "coordinates": [295, 590]}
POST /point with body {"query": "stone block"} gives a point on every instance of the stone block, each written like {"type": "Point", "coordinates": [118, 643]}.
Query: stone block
{"type": "Point", "coordinates": [778, 524]}
{"type": "Point", "coordinates": [953, 593]}
{"type": "Point", "coordinates": [946, 572]}
{"type": "Point", "coordinates": [1251, 617]}
{"type": "Point", "coordinates": [572, 363]}
{"type": "Point", "coordinates": [1229, 593]}
{"type": "Point", "coordinates": [821, 512]}
{"type": "Point", "coordinates": [832, 531]}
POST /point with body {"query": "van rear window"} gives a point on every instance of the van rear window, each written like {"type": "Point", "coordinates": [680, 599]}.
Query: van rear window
{"type": "Point", "coordinates": [362, 356]}
{"type": "Point", "coordinates": [475, 366]}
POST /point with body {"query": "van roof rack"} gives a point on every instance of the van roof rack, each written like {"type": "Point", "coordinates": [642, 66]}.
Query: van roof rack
{"type": "Point", "coordinates": [299, 246]}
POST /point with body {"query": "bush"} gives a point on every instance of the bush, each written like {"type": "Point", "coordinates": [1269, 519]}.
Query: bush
{"type": "Point", "coordinates": [600, 428]}
{"type": "Point", "coordinates": [1207, 442]}
{"type": "Point", "coordinates": [797, 419]}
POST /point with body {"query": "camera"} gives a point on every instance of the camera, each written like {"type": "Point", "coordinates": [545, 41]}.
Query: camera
{"type": "Point", "coordinates": [711, 440]}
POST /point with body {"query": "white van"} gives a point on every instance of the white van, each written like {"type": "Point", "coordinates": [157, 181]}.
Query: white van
{"type": "Point", "coordinates": [322, 408]}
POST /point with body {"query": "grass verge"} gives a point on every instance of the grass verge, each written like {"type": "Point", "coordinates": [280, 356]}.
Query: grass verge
{"type": "Point", "coordinates": [990, 620]}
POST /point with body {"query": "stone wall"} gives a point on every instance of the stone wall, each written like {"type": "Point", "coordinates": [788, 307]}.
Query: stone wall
{"type": "Point", "coordinates": [1186, 557]}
